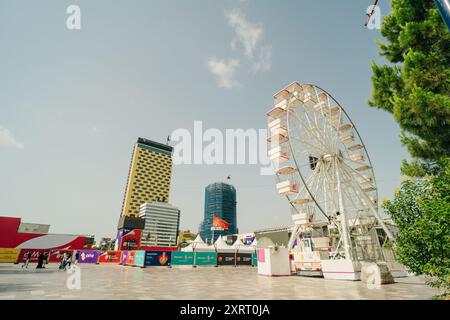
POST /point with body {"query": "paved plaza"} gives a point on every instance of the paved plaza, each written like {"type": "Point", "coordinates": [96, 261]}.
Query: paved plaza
{"type": "Point", "coordinates": [123, 282]}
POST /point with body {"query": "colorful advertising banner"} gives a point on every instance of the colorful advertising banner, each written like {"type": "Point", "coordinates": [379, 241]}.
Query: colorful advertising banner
{"type": "Point", "coordinates": [244, 259]}
{"type": "Point", "coordinates": [182, 258]}
{"type": "Point", "coordinates": [157, 258]}
{"type": "Point", "coordinates": [225, 259]}
{"type": "Point", "coordinates": [53, 255]}
{"type": "Point", "coordinates": [130, 258]}
{"type": "Point", "coordinates": [9, 255]}
{"type": "Point", "coordinates": [205, 258]}
{"type": "Point", "coordinates": [129, 239]}
{"type": "Point", "coordinates": [89, 256]}
{"type": "Point", "coordinates": [110, 256]}
{"type": "Point", "coordinates": [139, 258]}
{"type": "Point", "coordinates": [123, 259]}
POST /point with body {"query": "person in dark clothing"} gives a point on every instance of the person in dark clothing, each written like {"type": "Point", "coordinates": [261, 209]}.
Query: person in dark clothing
{"type": "Point", "coordinates": [45, 260]}
{"type": "Point", "coordinates": [62, 265]}
{"type": "Point", "coordinates": [40, 261]}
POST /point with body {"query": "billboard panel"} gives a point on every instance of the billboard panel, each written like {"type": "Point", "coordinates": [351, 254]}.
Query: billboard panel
{"type": "Point", "coordinates": [244, 259]}
{"type": "Point", "coordinates": [88, 256]}
{"type": "Point", "coordinates": [182, 258]}
{"type": "Point", "coordinates": [130, 258]}
{"type": "Point", "coordinates": [129, 239]}
{"type": "Point", "coordinates": [9, 255]}
{"type": "Point", "coordinates": [205, 258]}
{"type": "Point", "coordinates": [225, 259]}
{"type": "Point", "coordinates": [110, 256]}
{"type": "Point", "coordinates": [123, 259]}
{"type": "Point", "coordinates": [139, 258]}
{"type": "Point", "coordinates": [254, 259]}
{"type": "Point", "coordinates": [53, 255]}
{"type": "Point", "coordinates": [157, 258]}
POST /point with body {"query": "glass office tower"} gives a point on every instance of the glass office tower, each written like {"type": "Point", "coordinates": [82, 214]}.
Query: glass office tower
{"type": "Point", "coordinates": [220, 201]}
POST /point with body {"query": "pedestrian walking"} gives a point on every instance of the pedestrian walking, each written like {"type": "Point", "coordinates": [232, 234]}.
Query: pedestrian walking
{"type": "Point", "coordinates": [62, 265]}
{"type": "Point", "coordinates": [68, 262]}
{"type": "Point", "coordinates": [40, 260]}
{"type": "Point", "coordinates": [45, 259]}
{"type": "Point", "coordinates": [27, 257]}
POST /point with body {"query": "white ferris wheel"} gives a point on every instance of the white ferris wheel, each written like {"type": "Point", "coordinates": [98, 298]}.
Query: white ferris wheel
{"type": "Point", "coordinates": [324, 171]}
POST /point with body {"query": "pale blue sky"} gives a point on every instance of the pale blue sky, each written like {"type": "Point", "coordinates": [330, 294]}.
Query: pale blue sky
{"type": "Point", "coordinates": [72, 103]}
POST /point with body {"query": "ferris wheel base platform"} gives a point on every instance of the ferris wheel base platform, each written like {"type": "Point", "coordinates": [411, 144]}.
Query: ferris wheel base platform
{"type": "Point", "coordinates": [341, 269]}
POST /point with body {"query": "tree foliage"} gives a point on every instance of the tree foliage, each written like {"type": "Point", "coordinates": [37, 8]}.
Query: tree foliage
{"type": "Point", "coordinates": [421, 211]}
{"type": "Point", "coordinates": [415, 85]}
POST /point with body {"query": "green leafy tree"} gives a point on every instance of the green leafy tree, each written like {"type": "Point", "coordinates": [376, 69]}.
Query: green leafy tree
{"type": "Point", "coordinates": [415, 85]}
{"type": "Point", "coordinates": [421, 211]}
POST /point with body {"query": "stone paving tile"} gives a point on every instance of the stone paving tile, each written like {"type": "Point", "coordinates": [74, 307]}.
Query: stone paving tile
{"type": "Point", "coordinates": [121, 282]}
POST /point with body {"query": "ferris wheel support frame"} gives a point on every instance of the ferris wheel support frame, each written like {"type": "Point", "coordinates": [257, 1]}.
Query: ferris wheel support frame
{"type": "Point", "coordinates": [344, 226]}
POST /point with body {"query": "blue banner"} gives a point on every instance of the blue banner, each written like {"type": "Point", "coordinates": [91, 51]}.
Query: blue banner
{"type": "Point", "coordinates": [157, 258]}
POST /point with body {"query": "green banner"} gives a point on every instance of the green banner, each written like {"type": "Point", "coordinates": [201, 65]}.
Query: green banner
{"type": "Point", "coordinates": [254, 259]}
{"type": "Point", "coordinates": [205, 258]}
{"type": "Point", "coordinates": [182, 258]}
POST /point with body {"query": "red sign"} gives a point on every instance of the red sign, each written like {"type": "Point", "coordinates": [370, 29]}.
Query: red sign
{"type": "Point", "coordinates": [130, 258]}
{"type": "Point", "coordinates": [131, 240]}
{"type": "Point", "coordinates": [53, 255]}
{"type": "Point", "coordinates": [220, 223]}
{"type": "Point", "coordinates": [110, 256]}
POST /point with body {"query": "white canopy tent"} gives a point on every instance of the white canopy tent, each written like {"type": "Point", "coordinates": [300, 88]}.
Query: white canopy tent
{"type": "Point", "coordinates": [198, 245]}
{"type": "Point", "coordinates": [239, 246]}
{"type": "Point", "coordinates": [221, 246]}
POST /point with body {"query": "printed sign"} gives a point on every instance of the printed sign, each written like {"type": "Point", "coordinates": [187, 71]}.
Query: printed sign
{"type": "Point", "coordinates": [9, 255]}
{"type": "Point", "coordinates": [244, 259]}
{"type": "Point", "coordinates": [88, 256]}
{"type": "Point", "coordinates": [157, 258]}
{"type": "Point", "coordinates": [261, 255]}
{"type": "Point", "coordinates": [225, 259]}
{"type": "Point", "coordinates": [182, 258]}
{"type": "Point", "coordinates": [139, 258]}
{"type": "Point", "coordinates": [205, 258]}
{"type": "Point", "coordinates": [53, 255]}
{"type": "Point", "coordinates": [110, 256]}
{"type": "Point", "coordinates": [123, 259]}
{"type": "Point", "coordinates": [254, 259]}
{"type": "Point", "coordinates": [130, 239]}
{"type": "Point", "coordinates": [130, 258]}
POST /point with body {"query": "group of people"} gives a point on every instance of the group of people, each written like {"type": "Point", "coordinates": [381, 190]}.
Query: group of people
{"type": "Point", "coordinates": [66, 260]}
{"type": "Point", "coordinates": [42, 259]}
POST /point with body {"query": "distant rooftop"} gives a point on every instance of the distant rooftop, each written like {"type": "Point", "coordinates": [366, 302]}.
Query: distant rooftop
{"type": "Point", "coordinates": [154, 144]}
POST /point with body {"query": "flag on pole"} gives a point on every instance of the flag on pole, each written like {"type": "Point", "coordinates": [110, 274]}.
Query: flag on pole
{"type": "Point", "coordinates": [220, 223]}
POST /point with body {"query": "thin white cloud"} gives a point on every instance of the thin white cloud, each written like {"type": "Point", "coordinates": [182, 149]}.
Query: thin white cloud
{"type": "Point", "coordinates": [247, 34]}
{"type": "Point", "coordinates": [263, 62]}
{"type": "Point", "coordinates": [250, 37]}
{"type": "Point", "coordinates": [7, 140]}
{"type": "Point", "coordinates": [224, 71]}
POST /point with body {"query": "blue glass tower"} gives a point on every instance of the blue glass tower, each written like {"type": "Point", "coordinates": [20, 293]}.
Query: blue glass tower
{"type": "Point", "coordinates": [220, 201]}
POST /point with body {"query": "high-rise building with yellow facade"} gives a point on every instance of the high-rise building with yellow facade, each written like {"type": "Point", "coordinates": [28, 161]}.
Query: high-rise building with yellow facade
{"type": "Point", "coordinates": [149, 176]}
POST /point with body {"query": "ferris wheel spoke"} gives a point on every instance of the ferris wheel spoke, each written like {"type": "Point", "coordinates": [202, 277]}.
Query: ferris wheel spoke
{"type": "Point", "coordinates": [314, 150]}
{"type": "Point", "coordinates": [311, 134]}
